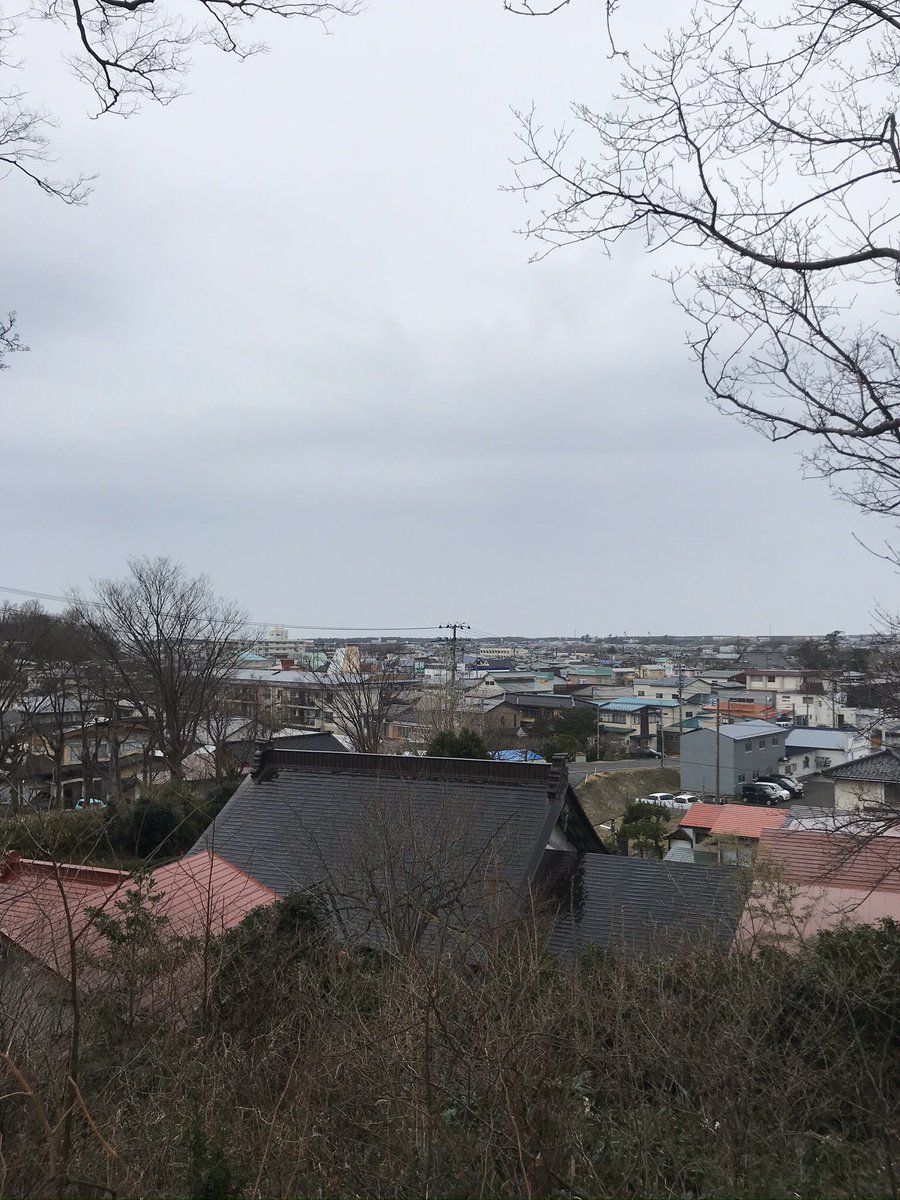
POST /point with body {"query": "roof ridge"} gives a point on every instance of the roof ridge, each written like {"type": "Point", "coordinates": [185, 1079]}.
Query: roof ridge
{"type": "Point", "coordinates": [269, 758]}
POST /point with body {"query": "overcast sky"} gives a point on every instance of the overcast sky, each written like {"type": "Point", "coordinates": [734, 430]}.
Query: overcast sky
{"type": "Point", "coordinates": [295, 342]}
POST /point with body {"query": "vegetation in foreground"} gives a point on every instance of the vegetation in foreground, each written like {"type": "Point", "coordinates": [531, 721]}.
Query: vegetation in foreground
{"type": "Point", "coordinates": [281, 1061]}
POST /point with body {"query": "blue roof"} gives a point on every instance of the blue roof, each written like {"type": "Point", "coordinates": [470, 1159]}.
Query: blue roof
{"type": "Point", "coordinates": [632, 703]}
{"type": "Point", "coordinates": [517, 756]}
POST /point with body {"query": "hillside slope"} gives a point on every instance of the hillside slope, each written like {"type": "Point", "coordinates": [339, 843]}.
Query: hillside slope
{"type": "Point", "coordinates": [605, 795]}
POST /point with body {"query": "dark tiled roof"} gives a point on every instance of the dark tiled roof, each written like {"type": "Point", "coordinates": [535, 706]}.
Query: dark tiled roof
{"type": "Point", "coordinates": [307, 819]}
{"type": "Point", "coordinates": [539, 700]}
{"type": "Point", "coordinates": [242, 751]}
{"type": "Point", "coordinates": [883, 767]}
{"type": "Point", "coordinates": [634, 904]}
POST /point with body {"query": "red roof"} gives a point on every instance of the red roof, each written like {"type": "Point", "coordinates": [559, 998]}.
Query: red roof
{"type": "Point", "coordinates": [733, 820]}
{"type": "Point", "coordinates": [700, 816]}
{"type": "Point", "coordinates": [198, 892]}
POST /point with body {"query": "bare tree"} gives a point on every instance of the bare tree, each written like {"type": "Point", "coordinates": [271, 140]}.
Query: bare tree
{"type": "Point", "coordinates": [172, 643]}
{"type": "Point", "coordinates": [125, 51]}
{"type": "Point", "coordinates": [764, 143]}
{"type": "Point", "coordinates": [23, 629]}
{"type": "Point", "coordinates": [448, 707]}
{"type": "Point", "coordinates": [362, 697]}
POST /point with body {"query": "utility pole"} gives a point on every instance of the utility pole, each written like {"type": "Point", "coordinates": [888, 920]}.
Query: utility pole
{"type": "Point", "coordinates": [453, 626]}
{"type": "Point", "coordinates": [662, 739]}
{"type": "Point", "coordinates": [718, 740]}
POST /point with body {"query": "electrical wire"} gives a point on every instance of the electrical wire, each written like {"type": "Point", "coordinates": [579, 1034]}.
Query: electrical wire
{"type": "Point", "coordinates": [261, 624]}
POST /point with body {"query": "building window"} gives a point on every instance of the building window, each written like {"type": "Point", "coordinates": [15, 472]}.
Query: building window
{"type": "Point", "coordinates": [741, 777]}
{"type": "Point", "coordinates": [770, 679]}
{"type": "Point", "coordinates": [774, 741]}
{"type": "Point", "coordinates": [762, 743]}
{"type": "Point", "coordinates": [640, 693]}
{"type": "Point", "coordinates": [756, 774]}
{"type": "Point", "coordinates": [659, 695]}
{"type": "Point", "coordinates": [748, 746]}
{"type": "Point", "coordinates": [806, 761]}
{"type": "Point", "coordinates": [689, 713]}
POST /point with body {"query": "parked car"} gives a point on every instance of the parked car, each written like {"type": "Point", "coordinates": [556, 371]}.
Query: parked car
{"type": "Point", "coordinates": [758, 793]}
{"type": "Point", "coordinates": [91, 804]}
{"type": "Point", "coordinates": [781, 794]}
{"type": "Point", "coordinates": [687, 798]}
{"type": "Point", "coordinates": [644, 752]}
{"type": "Point", "coordinates": [794, 786]}
{"type": "Point", "coordinates": [660, 798]}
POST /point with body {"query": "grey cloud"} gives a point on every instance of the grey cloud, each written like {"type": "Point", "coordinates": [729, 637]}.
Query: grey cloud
{"type": "Point", "coordinates": [294, 341]}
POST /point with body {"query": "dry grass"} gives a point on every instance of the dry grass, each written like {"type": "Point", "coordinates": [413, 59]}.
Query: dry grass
{"type": "Point", "coordinates": [605, 795]}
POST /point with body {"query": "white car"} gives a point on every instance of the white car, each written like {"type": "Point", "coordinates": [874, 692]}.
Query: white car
{"type": "Point", "coordinates": [660, 798]}
{"type": "Point", "coordinates": [687, 798]}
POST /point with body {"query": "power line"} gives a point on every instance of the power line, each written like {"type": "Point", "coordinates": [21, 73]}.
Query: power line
{"type": "Point", "coordinates": [454, 625]}
{"type": "Point", "coordinates": [262, 624]}
{"type": "Point", "coordinates": [34, 595]}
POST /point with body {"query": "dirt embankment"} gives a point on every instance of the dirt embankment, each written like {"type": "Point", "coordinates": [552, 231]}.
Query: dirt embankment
{"type": "Point", "coordinates": [605, 795]}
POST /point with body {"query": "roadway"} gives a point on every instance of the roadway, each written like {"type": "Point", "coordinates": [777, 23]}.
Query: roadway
{"type": "Point", "coordinates": [578, 771]}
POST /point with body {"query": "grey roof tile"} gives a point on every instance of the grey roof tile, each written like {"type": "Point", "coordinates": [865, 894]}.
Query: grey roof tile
{"type": "Point", "coordinates": [634, 904]}
{"type": "Point", "coordinates": [882, 767]}
{"type": "Point", "coordinates": [316, 819]}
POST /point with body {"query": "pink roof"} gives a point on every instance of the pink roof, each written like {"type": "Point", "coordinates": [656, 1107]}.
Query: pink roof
{"type": "Point", "coordinates": [733, 820]}
{"type": "Point", "coordinates": [205, 888]}
{"type": "Point", "coordinates": [34, 897]}
{"type": "Point", "coordinates": [835, 859]}
{"type": "Point", "coordinates": [198, 892]}
{"type": "Point", "coordinates": [830, 878]}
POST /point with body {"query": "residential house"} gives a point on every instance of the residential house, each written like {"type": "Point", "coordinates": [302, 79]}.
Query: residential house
{"type": "Point", "coordinates": [45, 907]}
{"type": "Point", "coordinates": [776, 680]}
{"type": "Point", "coordinates": [742, 706]}
{"type": "Point", "coordinates": [728, 833]}
{"type": "Point", "coordinates": [635, 718]}
{"type": "Point", "coordinates": [600, 676]}
{"type": "Point", "coordinates": [719, 762]}
{"type": "Point", "coordinates": [340, 822]}
{"type": "Point", "coordinates": [660, 670]}
{"type": "Point", "coordinates": [812, 750]}
{"type": "Point", "coordinates": [530, 711]}
{"type": "Point", "coordinates": [819, 880]}
{"type": "Point", "coordinates": [512, 683]}
{"type": "Point", "coordinates": [333, 821]}
{"type": "Point", "coordinates": [801, 697]}
{"type": "Point", "coordinates": [872, 782]}
{"type": "Point", "coordinates": [639, 905]}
